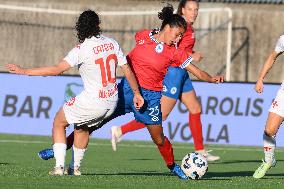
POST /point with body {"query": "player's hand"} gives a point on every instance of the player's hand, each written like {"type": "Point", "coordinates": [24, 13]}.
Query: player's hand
{"type": "Point", "coordinates": [13, 68]}
{"type": "Point", "coordinates": [258, 86]}
{"type": "Point", "coordinates": [217, 79]}
{"type": "Point", "coordinates": [197, 56]}
{"type": "Point", "coordinates": [138, 101]}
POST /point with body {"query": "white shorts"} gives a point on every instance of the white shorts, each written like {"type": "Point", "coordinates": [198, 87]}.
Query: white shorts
{"type": "Point", "coordinates": [277, 105]}
{"type": "Point", "coordinates": [84, 109]}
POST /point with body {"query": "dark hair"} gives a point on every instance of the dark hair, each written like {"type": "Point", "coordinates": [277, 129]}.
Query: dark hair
{"type": "Point", "coordinates": [182, 5]}
{"type": "Point", "coordinates": [168, 17]}
{"type": "Point", "coordinates": [87, 25]}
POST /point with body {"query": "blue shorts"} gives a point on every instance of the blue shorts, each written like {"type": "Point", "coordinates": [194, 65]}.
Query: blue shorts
{"type": "Point", "coordinates": [149, 114]}
{"type": "Point", "coordinates": [176, 82]}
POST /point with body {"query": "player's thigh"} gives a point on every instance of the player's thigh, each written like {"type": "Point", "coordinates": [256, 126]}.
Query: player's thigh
{"type": "Point", "coordinates": [167, 105]}
{"type": "Point", "coordinates": [60, 119]}
{"type": "Point", "coordinates": [273, 123]}
{"type": "Point", "coordinates": [190, 100]}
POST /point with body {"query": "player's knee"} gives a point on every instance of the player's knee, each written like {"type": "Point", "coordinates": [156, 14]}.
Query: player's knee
{"type": "Point", "coordinates": [196, 108]}
{"type": "Point", "coordinates": [158, 141]}
{"type": "Point", "coordinates": [270, 132]}
{"type": "Point", "coordinates": [59, 125]}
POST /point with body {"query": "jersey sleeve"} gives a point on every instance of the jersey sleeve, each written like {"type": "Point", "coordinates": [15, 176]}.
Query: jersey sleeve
{"type": "Point", "coordinates": [73, 57]}
{"type": "Point", "coordinates": [280, 45]}
{"type": "Point", "coordinates": [121, 58]}
{"type": "Point", "coordinates": [181, 58]}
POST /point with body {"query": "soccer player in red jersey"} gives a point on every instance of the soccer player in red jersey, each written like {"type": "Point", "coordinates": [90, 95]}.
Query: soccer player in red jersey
{"type": "Point", "coordinates": [154, 52]}
{"type": "Point", "coordinates": [177, 85]}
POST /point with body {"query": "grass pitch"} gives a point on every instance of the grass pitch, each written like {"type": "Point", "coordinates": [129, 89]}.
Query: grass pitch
{"type": "Point", "coordinates": [134, 165]}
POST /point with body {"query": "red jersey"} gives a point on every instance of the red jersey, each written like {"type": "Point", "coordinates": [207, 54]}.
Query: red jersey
{"type": "Point", "coordinates": [188, 39]}
{"type": "Point", "coordinates": [150, 60]}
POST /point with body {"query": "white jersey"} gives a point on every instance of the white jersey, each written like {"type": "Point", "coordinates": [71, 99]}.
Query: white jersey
{"type": "Point", "coordinates": [280, 44]}
{"type": "Point", "coordinates": [277, 105]}
{"type": "Point", "coordinates": [97, 59]}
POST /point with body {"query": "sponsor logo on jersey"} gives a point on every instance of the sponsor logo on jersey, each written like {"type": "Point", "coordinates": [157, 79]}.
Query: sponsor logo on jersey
{"type": "Point", "coordinates": [107, 93]}
{"type": "Point", "coordinates": [141, 42]}
{"type": "Point", "coordinates": [173, 90]}
{"type": "Point", "coordinates": [159, 48]}
{"type": "Point", "coordinates": [155, 118]}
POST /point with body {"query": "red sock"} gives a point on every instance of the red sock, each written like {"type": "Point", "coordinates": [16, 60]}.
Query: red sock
{"type": "Point", "coordinates": [167, 152]}
{"type": "Point", "coordinates": [70, 140]}
{"type": "Point", "coordinates": [196, 130]}
{"type": "Point", "coordinates": [131, 126]}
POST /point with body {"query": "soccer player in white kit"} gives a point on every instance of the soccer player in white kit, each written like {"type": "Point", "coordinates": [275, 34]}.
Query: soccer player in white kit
{"type": "Point", "coordinates": [96, 57]}
{"type": "Point", "coordinates": [276, 113]}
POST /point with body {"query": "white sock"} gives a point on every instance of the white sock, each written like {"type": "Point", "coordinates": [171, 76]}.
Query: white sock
{"type": "Point", "coordinates": [77, 156]}
{"type": "Point", "coordinates": [269, 144]}
{"type": "Point", "coordinates": [59, 154]}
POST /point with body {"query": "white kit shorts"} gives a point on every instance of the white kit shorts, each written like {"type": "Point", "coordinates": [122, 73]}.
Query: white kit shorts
{"type": "Point", "coordinates": [87, 110]}
{"type": "Point", "coordinates": [277, 105]}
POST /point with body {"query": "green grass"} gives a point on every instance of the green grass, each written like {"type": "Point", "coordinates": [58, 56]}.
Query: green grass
{"type": "Point", "coordinates": [134, 165]}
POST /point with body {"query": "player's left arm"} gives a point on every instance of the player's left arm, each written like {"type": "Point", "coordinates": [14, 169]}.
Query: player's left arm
{"type": "Point", "coordinates": [185, 60]}
{"type": "Point", "coordinates": [123, 61]}
{"type": "Point", "coordinates": [202, 75]}
{"type": "Point", "coordinates": [41, 71]}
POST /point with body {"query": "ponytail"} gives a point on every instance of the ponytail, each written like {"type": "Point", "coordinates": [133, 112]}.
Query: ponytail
{"type": "Point", "coordinates": [169, 18]}
{"type": "Point", "coordinates": [166, 12]}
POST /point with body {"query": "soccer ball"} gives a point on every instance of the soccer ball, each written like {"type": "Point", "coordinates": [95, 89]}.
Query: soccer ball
{"type": "Point", "coordinates": [194, 165]}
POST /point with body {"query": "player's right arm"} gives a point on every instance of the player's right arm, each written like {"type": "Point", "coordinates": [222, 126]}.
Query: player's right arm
{"type": "Point", "coordinates": [69, 61]}
{"type": "Point", "coordinates": [129, 75]}
{"type": "Point", "coordinates": [265, 69]}
{"type": "Point", "coordinates": [41, 71]}
{"type": "Point", "coordinates": [279, 49]}
{"type": "Point", "coordinates": [138, 100]}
